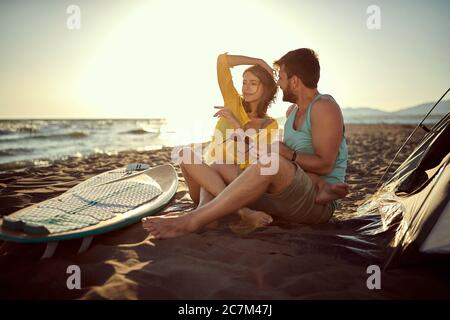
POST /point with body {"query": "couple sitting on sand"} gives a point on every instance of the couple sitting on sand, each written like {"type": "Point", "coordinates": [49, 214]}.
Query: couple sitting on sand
{"type": "Point", "coordinates": [311, 160]}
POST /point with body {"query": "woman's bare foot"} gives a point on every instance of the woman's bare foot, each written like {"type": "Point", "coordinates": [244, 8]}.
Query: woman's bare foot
{"type": "Point", "coordinates": [169, 226]}
{"type": "Point", "coordinates": [329, 192]}
{"type": "Point", "coordinates": [255, 218]}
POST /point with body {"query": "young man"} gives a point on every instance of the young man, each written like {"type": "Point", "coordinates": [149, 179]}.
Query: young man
{"type": "Point", "coordinates": [313, 142]}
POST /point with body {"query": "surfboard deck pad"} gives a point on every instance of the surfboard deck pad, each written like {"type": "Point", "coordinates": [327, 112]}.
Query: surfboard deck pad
{"type": "Point", "coordinates": [103, 203]}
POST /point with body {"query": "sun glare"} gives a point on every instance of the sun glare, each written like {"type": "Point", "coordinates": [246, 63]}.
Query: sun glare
{"type": "Point", "coordinates": [159, 61]}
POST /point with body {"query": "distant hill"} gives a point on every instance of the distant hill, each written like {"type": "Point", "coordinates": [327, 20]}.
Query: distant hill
{"type": "Point", "coordinates": [411, 115]}
{"type": "Point", "coordinates": [362, 111]}
{"type": "Point", "coordinates": [422, 109]}
{"type": "Point", "coordinates": [418, 110]}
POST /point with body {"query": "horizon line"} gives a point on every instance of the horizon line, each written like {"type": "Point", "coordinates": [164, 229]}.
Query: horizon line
{"type": "Point", "coordinates": [159, 118]}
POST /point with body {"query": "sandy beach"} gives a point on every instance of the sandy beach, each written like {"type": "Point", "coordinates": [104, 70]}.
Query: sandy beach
{"type": "Point", "coordinates": [282, 261]}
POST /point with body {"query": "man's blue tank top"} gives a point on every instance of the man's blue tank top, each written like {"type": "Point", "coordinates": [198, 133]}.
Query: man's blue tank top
{"type": "Point", "coordinates": [301, 141]}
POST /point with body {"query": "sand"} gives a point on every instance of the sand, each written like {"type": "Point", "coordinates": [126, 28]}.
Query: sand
{"type": "Point", "coordinates": [282, 261]}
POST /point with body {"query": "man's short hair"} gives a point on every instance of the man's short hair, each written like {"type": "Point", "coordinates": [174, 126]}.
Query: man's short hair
{"type": "Point", "coordinates": [302, 63]}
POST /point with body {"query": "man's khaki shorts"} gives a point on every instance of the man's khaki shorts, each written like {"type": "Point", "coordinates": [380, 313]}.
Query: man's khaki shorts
{"type": "Point", "coordinates": [296, 202]}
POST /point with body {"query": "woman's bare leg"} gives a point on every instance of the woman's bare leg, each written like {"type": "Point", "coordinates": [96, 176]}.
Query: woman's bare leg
{"type": "Point", "coordinates": [193, 186]}
{"type": "Point", "coordinates": [198, 174]}
{"type": "Point", "coordinates": [230, 172]}
{"type": "Point", "coordinates": [206, 197]}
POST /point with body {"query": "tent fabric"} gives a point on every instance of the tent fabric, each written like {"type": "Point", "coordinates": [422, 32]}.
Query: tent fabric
{"type": "Point", "coordinates": [439, 239]}
{"type": "Point", "coordinates": [414, 203]}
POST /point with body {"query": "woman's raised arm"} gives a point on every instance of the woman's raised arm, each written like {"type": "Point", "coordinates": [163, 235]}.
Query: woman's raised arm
{"type": "Point", "coordinates": [224, 63]}
{"type": "Point", "coordinates": [234, 60]}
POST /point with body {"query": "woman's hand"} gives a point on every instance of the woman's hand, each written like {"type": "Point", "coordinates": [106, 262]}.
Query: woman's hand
{"type": "Point", "coordinates": [227, 114]}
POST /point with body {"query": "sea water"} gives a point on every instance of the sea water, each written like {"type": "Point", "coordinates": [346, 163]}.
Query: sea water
{"type": "Point", "coordinates": [39, 142]}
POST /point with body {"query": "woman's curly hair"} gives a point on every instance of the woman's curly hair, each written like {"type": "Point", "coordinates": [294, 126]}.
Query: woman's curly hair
{"type": "Point", "coordinates": [269, 90]}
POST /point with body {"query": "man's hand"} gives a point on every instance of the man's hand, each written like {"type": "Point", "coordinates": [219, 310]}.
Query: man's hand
{"type": "Point", "coordinates": [285, 151]}
{"type": "Point", "coordinates": [282, 149]}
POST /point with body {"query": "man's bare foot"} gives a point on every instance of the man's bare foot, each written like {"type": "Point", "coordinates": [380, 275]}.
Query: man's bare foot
{"type": "Point", "coordinates": [169, 226]}
{"type": "Point", "coordinates": [255, 218]}
{"type": "Point", "coordinates": [329, 192]}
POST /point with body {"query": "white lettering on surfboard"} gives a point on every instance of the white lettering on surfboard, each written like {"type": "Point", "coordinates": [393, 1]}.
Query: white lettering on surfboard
{"type": "Point", "coordinates": [74, 280]}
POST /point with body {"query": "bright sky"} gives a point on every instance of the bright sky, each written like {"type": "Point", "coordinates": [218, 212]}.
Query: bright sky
{"type": "Point", "coordinates": [157, 58]}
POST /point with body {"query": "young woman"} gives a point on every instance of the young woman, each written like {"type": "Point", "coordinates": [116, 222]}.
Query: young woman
{"type": "Point", "coordinates": [249, 111]}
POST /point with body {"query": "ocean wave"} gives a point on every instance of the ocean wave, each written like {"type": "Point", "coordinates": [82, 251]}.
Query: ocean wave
{"type": "Point", "coordinates": [7, 131]}
{"type": "Point", "coordinates": [142, 131]}
{"type": "Point", "coordinates": [17, 127]}
{"type": "Point", "coordinates": [15, 151]}
{"type": "Point", "coordinates": [59, 136]}
{"type": "Point", "coordinates": [70, 135]}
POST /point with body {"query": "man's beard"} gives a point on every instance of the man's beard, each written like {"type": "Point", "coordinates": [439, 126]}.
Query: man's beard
{"type": "Point", "coordinates": [288, 95]}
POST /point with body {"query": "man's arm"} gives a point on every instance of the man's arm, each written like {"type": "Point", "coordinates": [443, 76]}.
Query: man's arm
{"type": "Point", "coordinates": [327, 131]}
